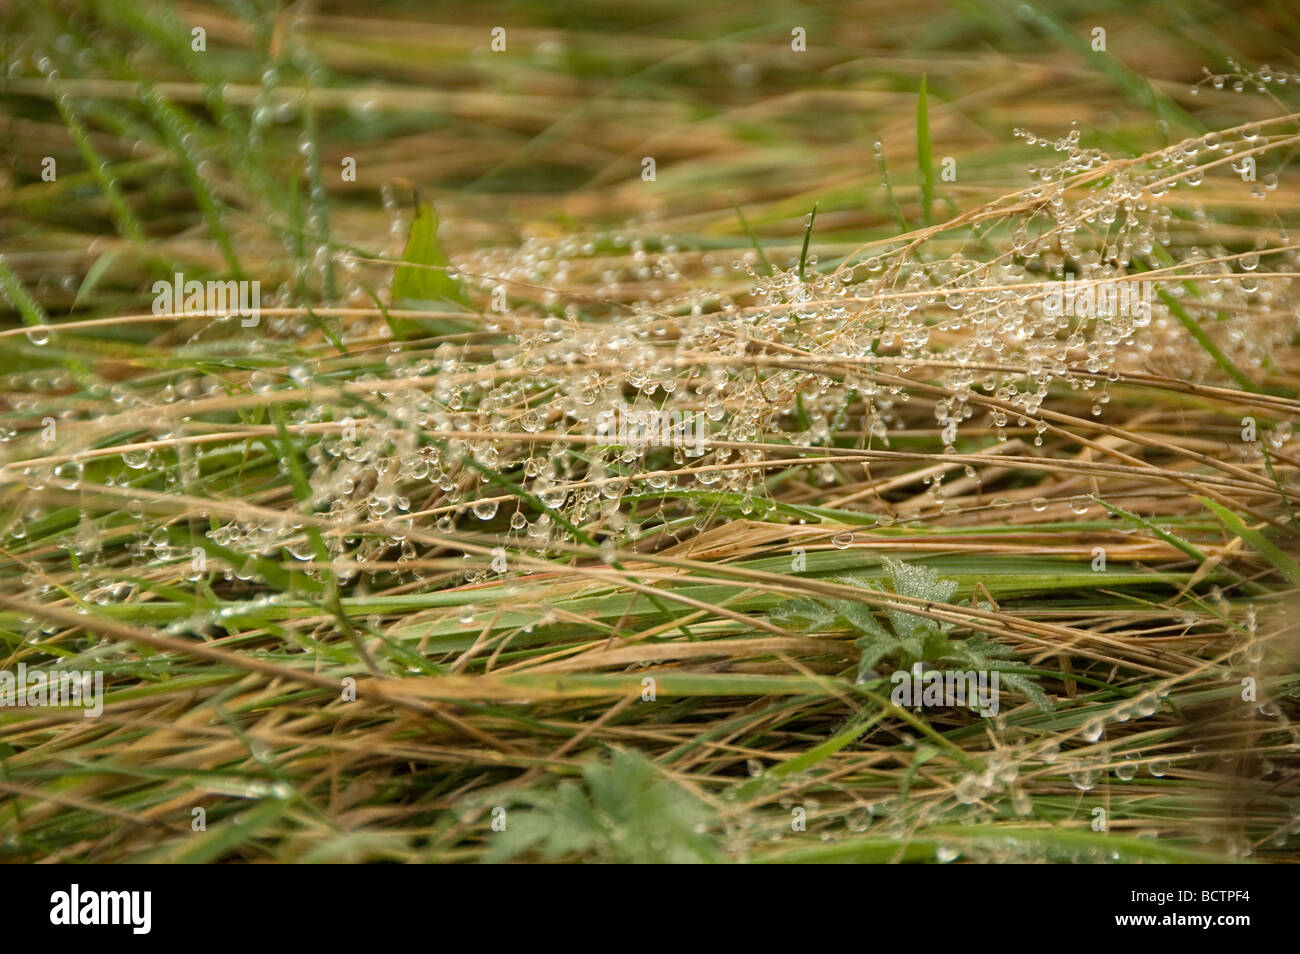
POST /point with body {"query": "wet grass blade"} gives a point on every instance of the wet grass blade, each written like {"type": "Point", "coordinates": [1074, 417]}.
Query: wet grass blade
{"type": "Point", "coordinates": [924, 158]}
{"type": "Point", "coordinates": [1258, 542]}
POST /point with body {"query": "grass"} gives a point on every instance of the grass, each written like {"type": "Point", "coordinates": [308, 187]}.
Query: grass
{"type": "Point", "coordinates": [365, 582]}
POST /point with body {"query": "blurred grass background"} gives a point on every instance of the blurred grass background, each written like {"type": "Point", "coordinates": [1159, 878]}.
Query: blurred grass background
{"type": "Point", "coordinates": [551, 133]}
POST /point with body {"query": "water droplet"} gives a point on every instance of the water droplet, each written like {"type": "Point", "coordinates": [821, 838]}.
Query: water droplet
{"type": "Point", "coordinates": [136, 459]}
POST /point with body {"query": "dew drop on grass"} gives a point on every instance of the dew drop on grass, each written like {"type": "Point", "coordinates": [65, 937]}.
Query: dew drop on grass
{"type": "Point", "coordinates": [68, 474]}
{"type": "Point", "coordinates": [1159, 768]}
{"type": "Point", "coordinates": [1084, 776]}
{"type": "Point", "coordinates": [1091, 730]}
{"type": "Point", "coordinates": [554, 497]}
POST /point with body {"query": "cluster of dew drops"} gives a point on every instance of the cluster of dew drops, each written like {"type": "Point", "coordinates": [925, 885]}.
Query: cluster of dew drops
{"type": "Point", "coordinates": [616, 322]}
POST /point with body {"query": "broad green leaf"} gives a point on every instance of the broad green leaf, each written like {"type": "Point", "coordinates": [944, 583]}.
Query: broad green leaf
{"type": "Point", "coordinates": [424, 278]}
{"type": "Point", "coordinates": [627, 811]}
